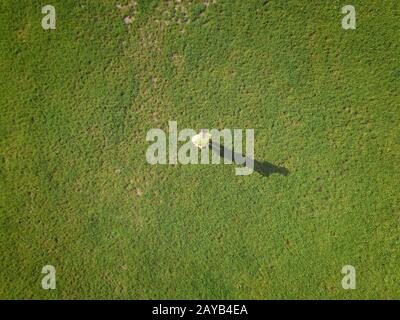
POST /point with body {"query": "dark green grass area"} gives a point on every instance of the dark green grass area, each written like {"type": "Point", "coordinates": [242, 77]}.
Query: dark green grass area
{"type": "Point", "coordinates": [77, 193]}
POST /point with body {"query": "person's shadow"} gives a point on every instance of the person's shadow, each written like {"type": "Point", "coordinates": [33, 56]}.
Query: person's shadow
{"type": "Point", "coordinates": [264, 168]}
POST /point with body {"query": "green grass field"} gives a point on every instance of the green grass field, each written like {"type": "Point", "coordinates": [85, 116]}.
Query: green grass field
{"type": "Point", "coordinates": [77, 193]}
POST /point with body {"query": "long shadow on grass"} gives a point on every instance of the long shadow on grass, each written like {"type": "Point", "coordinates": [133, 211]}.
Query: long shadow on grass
{"type": "Point", "coordinates": [264, 168]}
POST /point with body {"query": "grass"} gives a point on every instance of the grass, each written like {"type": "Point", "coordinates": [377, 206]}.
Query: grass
{"type": "Point", "coordinates": [78, 194]}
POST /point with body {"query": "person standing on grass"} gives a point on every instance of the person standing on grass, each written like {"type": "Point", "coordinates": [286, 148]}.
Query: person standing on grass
{"type": "Point", "coordinates": [202, 139]}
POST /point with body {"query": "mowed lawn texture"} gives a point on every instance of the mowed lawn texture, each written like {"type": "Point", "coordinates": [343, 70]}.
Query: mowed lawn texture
{"type": "Point", "coordinates": [77, 193]}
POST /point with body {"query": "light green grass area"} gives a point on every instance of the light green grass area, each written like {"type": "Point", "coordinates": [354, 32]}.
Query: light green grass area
{"type": "Point", "coordinates": [77, 193]}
